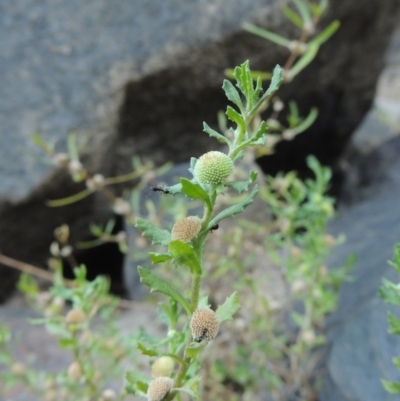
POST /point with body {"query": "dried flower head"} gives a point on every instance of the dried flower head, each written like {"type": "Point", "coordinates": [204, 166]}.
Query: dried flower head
{"type": "Point", "coordinates": [75, 371]}
{"type": "Point", "coordinates": [213, 168]}
{"type": "Point", "coordinates": [121, 207]}
{"type": "Point", "coordinates": [109, 394]}
{"type": "Point", "coordinates": [159, 388]}
{"type": "Point", "coordinates": [204, 325]}
{"type": "Point", "coordinates": [186, 229]}
{"type": "Point", "coordinates": [75, 316]}
{"type": "Point", "coordinates": [163, 366]}
{"type": "Point", "coordinates": [18, 369]}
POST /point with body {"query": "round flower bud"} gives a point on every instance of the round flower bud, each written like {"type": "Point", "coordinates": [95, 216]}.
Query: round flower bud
{"type": "Point", "coordinates": [163, 366]}
{"type": "Point", "coordinates": [18, 369]}
{"type": "Point", "coordinates": [55, 249]}
{"type": "Point", "coordinates": [109, 394]}
{"type": "Point", "coordinates": [96, 182]}
{"type": "Point", "coordinates": [159, 388]}
{"type": "Point", "coordinates": [204, 325]}
{"type": "Point", "coordinates": [213, 168]}
{"type": "Point", "coordinates": [75, 371]}
{"type": "Point", "coordinates": [66, 251]}
{"type": "Point", "coordinates": [186, 229]}
{"type": "Point", "coordinates": [75, 316]}
{"type": "Point", "coordinates": [121, 207]}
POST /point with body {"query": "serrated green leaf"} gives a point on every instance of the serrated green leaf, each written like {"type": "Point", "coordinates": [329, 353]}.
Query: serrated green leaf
{"type": "Point", "coordinates": [235, 209]}
{"type": "Point", "coordinates": [184, 254]}
{"type": "Point", "coordinates": [245, 82]}
{"type": "Point", "coordinates": [132, 377]}
{"type": "Point", "coordinates": [263, 33]}
{"type": "Point", "coordinates": [390, 292]}
{"type": "Point", "coordinates": [396, 362]}
{"type": "Point", "coordinates": [394, 324]}
{"type": "Point", "coordinates": [159, 257]}
{"type": "Point", "coordinates": [242, 186]}
{"type": "Point", "coordinates": [391, 387]}
{"type": "Point", "coordinates": [228, 308]}
{"type": "Point", "coordinates": [396, 258]}
{"type": "Point", "coordinates": [142, 387]}
{"type": "Point", "coordinates": [147, 350]}
{"type": "Point", "coordinates": [232, 94]}
{"type": "Point", "coordinates": [215, 134]}
{"type": "Point", "coordinates": [255, 74]}
{"type": "Point", "coordinates": [194, 191]}
{"type": "Point", "coordinates": [157, 235]}
{"type": "Point", "coordinates": [276, 81]}
{"type": "Point", "coordinates": [130, 389]}
{"type": "Point", "coordinates": [237, 118]}
{"type": "Point", "coordinates": [158, 284]}
{"type": "Point", "coordinates": [259, 137]}
{"type": "Point", "coordinates": [191, 387]}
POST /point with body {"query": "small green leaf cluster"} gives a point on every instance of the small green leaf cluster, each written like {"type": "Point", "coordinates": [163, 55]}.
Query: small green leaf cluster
{"type": "Point", "coordinates": [298, 243]}
{"type": "Point", "coordinates": [306, 16]}
{"type": "Point", "coordinates": [390, 293]}
{"type": "Point", "coordinates": [302, 51]}
{"type": "Point", "coordinates": [96, 354]}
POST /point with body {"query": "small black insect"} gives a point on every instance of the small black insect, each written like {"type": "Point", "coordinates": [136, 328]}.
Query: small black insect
{"type": "Point", "coordinates": [203, 335]}
{"type": "Point", "coordinates": [214, 227]}
{"type": "Point", "coordinates": [159, 188]}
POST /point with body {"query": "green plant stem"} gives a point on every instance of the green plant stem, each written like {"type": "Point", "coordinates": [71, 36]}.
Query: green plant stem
{"type": "Point", "coordinates": [196, 282]}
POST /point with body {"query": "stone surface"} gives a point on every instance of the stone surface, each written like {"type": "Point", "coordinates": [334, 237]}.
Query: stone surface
{"type": "Point", "coordinates": [64, 64]}
{"type": "Point", "coordinates": [140, 75]}
{"type": "Point", "coordinates": [64, 70]}
{"type": "Point", "coordinates": [361, 350]}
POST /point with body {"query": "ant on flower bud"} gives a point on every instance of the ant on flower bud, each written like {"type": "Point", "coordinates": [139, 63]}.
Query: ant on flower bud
{"type": "Point", "coordinates": [203, 335]}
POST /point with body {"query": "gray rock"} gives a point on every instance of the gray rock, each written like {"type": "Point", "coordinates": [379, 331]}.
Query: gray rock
{"type": "Point", "coordinates": [361, 350]}
{"type": "Point", "coordinates": [141, 77]}
{"type": "Point", "coordinates": [63, 66]}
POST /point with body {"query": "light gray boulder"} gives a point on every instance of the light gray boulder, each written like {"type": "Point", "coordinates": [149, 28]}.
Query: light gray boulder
{"type": "Point", "coordinates": [361, 349]}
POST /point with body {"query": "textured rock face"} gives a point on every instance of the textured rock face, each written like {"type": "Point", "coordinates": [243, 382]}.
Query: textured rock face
{"type": "Point", "coordinates": [137, 76]}
{"type": "Point", "coordinates": [64, 63]}
{"type": "Point", "coordinates": [65, 66]}
{"type": "Point", "coordinates": [361, 349]}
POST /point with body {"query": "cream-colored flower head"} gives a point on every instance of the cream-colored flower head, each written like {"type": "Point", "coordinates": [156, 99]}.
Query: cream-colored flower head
{"type": "Point", "coordinates": [163, 366]}
{"type": "Point", "coordinates": [159, 388]}
{"type": "Point", "coordinates": [204, 325]}
{"type": "Point", "coordinates": [213, 168]}
{"type": "Point", "coordinates": [186, 229]}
